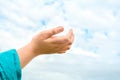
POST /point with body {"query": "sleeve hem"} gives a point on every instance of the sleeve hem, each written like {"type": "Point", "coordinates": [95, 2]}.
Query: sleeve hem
{"type": "Point", "coordinates": [17, 64]}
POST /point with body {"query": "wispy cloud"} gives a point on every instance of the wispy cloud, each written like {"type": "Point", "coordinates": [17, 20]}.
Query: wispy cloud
{"type": "Point", "coordinates": [95, 52]}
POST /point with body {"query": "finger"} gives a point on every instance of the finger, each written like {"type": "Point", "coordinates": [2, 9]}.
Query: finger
{"type": "Point", "coordinates": [62, 52]}
{"type": "Point", "coordinates": [66, 47]}
{"type": "Point", "coordinates": [49, 33]}
{"type": "Point", "coordinates": [70, 36]}
{"type": "Point", "coordinates": [58, 40]}
{"type": "Point", "coordinates": [67, 39]}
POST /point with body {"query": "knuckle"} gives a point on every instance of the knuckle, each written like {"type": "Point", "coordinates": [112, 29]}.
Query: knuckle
{"type": "Point", "coordinates": [52, 32]}
{"type": "Point", "coordinates": [68, 48]}
{"type": "Point", "coordinates": [66, 39]}
{"type": "Point", "coordinates": [49, 33]}
{"type": "Point", "coordinates": [69, 42]}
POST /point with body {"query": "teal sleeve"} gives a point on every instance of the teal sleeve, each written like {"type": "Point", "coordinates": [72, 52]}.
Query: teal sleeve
{"type": "Point", "coordinates": [10, 68]}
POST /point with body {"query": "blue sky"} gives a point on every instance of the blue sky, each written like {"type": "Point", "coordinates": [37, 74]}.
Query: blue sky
{"type": "Point", "coordinates": [95, 54]}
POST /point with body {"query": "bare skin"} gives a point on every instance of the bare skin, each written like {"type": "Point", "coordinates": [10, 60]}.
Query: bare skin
{"type": "Point", "coordinates": [46, 42]}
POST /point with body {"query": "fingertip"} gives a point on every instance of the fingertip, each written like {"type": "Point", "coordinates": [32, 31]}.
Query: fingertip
{"type": "Point", "coordinates": [61, 28]}
{"type": "Point", "coordinates": [70, 32]}
{"type": "Point", "coordinates": [58, 29]}
{"type": "Point", "coordinates": [71, 35]}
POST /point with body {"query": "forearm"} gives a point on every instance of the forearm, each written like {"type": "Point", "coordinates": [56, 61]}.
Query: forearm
{"type": "Point", "coordinates": [26, 55]}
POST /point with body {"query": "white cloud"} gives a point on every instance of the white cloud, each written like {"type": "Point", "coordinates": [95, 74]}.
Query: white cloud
{"type": "Point", "coordinates": [96, 27]}
{"type": "Point", "coordinates": [80, 52]}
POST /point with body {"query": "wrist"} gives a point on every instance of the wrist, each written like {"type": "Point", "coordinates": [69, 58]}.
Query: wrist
{"type": "Point", "coordinates": [30, 50]}
{"type": "Point", "coordinates": [26, 54]}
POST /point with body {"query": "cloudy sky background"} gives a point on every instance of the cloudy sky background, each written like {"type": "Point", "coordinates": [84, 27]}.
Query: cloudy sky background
{"type": "Point", "coordinates": [95, 54]}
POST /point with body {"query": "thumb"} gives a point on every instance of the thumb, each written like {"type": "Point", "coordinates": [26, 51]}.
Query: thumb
{"type": "Point", "coordinates": [49, 33]}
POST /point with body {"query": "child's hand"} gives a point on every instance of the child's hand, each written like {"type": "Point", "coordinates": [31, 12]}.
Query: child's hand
{"type": "Point", "coordinates": [47, 43]}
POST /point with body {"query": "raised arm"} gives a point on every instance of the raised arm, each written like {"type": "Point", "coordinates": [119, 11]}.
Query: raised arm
{"type": "Point", "coordinates": [46, 42]}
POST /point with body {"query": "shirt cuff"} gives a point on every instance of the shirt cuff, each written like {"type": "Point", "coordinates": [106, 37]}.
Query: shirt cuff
{"type": "Point", "coordinates": [10, 65]}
